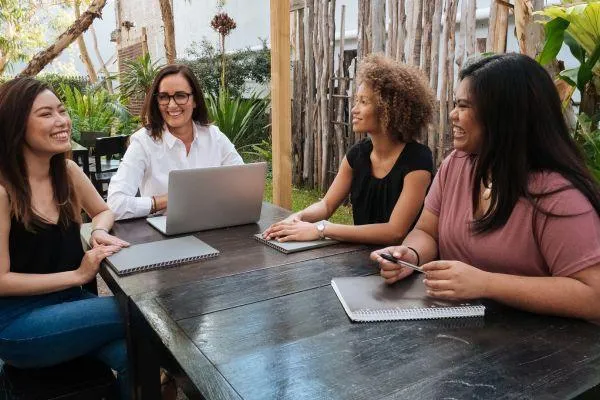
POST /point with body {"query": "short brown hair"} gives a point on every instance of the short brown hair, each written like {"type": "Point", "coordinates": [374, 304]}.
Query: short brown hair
{"type": "Point", "coordinates": [151, 114]}
{"type": "Point", "coordinates": [403, 98]}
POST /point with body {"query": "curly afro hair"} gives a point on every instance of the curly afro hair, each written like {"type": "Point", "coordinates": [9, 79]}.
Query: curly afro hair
{"type": "Point", "coordinates": [403, 99]}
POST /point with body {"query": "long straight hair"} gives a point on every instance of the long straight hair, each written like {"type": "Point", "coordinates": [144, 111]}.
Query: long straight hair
{"type": "Point", "coordinates": [524, 132]}
{"type": "Point", "coordinates": [16, 100]}
{"type": "Point", "coordinates": [151, 116]}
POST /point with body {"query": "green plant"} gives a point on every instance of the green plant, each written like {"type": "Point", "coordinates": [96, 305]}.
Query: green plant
{"type": "Point", "coordinates": [93, 110]}
{"type": "Point", "coordinates": [236, 117]}
{"type": "Point", "coordinates": [589, 140]}
{"type": "Point", "coordinates": [223, 24]}
{"type": "Point", "coordinates": [242, 66]}
{"type": "Point", "coordinates": [577, 26]}
{"type": "Point", "coordinates": [138, 76]}
{"type": "Point", "coordinates": [262, 151]}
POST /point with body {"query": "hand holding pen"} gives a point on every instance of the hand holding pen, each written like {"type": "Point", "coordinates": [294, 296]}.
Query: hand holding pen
{"type": "Point", "coordinates": [395, 263]}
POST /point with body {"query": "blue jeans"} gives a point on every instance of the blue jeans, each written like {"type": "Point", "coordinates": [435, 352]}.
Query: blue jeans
{"type": "Point", "coordinates": [44, 330]}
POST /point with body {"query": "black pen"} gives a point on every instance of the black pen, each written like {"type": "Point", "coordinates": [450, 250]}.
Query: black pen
{"type": "Point", "coordinates": [389, 257]}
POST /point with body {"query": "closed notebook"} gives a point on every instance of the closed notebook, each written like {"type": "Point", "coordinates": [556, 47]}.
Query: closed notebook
{"type": "Point", "coordinates": [160, 254]}
{"type": "Point", "coordinates": [292, 247]}
{"type": "Point", "coordinates": [369, 298]}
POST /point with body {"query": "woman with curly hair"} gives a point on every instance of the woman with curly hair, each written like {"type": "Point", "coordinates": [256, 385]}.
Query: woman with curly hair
{"type": "Point", "coordinates": [387, 174]}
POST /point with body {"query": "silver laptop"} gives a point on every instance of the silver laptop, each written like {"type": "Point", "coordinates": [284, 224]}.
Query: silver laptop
{"type": "Point", "coordinates": [208, 198]}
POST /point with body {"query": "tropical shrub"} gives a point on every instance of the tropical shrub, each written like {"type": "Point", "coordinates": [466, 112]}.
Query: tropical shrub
{"type": "Point", "coordinates": [578, 26]}
{"type": "Point", "coordinates": [138, 76]}
{"type": "Point", "coordinates": [243, 120]}
{"type": "Point", "coordinates": [94, 110]}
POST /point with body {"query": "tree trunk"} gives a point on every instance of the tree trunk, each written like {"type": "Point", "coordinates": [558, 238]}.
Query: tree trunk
{"type": "Point", "coordinates": [309, 77]}
{"type": "Point", "coordinates": [166, 12]}
{"type": "Point", "coordinates": [497, 29]}
{"type": "Point", "coordinates": [418, 26]}
{"type": "Point", "coordinates": [81, 24]}
{"type": "Point", "coordinates": [85, 56]}
{"type": "Point", "coordinates": [109, 86]}
{"type": "Point", "coordinates": [448, 53]}
{"type": "Point", "coordinates": [401, 31]}
{"type": "Point", "coordinates": [378, 26]}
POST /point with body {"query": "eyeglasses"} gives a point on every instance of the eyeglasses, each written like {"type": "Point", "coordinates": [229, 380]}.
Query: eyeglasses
{"type": "Point", "coordinates": [180, 98]}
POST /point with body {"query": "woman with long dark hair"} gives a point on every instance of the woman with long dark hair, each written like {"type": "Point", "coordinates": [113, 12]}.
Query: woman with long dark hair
{"type": "Point", "coordinates": [513, 213]}
{"type": "Point", "coordinates": [46, 316]}
{"type": "Point", "coordinates": [177, 135]}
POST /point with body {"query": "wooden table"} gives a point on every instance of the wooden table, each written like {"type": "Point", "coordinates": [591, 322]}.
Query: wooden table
{"type": "Point", "coordinates": [240, 253]}
{"type": "Point", "coordinates": [257, 324]}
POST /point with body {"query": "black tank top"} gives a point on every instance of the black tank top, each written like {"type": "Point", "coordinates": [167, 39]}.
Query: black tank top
{"type": "Point", "coordinates": [51, 248]}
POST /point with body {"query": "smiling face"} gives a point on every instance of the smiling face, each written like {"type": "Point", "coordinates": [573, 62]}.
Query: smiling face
{"type": "Point", "coordinates": [364, 113]}
{"type": "Point", "coordinates": [175, 115]}
{"type": "Point", "coordinates": [467, 131]}
{"type": "Point", "coordinates": [48, 126]}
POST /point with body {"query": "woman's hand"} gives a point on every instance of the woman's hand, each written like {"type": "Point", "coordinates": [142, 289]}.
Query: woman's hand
{"type": "Point", "coordinates": [268, 233]}
{"type": "Point", "coordinates": [454, 280]}
{"type": "Point", "coordinates": [101, 237]}
{"type": "Point", "coordinates": [296, 230]}
{"type": "Point", "coordinates": [90, 264]}
{"type": "Point", "coordinates": [390, 271]}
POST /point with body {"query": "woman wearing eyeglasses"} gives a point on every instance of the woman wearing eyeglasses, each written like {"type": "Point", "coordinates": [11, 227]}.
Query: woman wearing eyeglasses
{"type": "Point", "coordinates": [177, 135]}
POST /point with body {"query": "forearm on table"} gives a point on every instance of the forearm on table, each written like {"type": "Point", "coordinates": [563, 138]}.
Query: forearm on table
{"type": "Point", "coordinates": [380, 234]}
{"type": "Point", "coordinates": [103, 220]}
{"type": "Point", "coordinates": [423, 243]}
{"type": "Point", "coordinates": [126, 206]}
{"type": "Point", "coordinates": [18, 284]}
{"type": "Point", "coordinates": [315, 212]}
{"type": "Point", "coordinates": [563, 296]}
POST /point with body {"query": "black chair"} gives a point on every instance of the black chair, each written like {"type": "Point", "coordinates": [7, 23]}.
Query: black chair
{"type": "Point", "coordinates": [83, 378]}
{"type": "Point", "coordinates": [107, 155]}
{"type": "Point", "coordinates": [88, 139]}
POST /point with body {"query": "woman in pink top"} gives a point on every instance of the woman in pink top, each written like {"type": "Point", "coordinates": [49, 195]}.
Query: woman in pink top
{"type": "Point", "coordinates": [513, 212]}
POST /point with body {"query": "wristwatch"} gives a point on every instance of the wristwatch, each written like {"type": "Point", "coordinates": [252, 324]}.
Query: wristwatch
{"type": "Point", "coordinates": [321, 229]}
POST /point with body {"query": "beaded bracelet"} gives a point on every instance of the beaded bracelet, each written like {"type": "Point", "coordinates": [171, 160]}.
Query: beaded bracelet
{"type": "Point", "coordinates": [416, 254]}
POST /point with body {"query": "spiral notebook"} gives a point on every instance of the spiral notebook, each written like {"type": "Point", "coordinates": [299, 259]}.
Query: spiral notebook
{"type": "Point", "coordinates": [369, 298]}
{"type": "Point", "coordinates": [160, 254]}
{"type": "Point", "coordinates": [292, 247]}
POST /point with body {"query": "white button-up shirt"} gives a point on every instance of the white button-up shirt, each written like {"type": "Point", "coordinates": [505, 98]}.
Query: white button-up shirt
{"type": "Point", "coordinates": [147, 163]}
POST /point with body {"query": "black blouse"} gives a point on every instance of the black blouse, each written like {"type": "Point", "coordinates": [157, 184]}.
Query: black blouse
{"type": "Point", "coordinates": [51, 248]}
{"type": "Point", "coordinates": [374, 199]}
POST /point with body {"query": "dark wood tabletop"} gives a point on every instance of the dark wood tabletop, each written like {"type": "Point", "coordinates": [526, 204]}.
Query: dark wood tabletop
{"type": "Point", "coordinates": [255, 323]}
{"type": "Point", "coordinates": [281, 333]}
{"type": "Point", "coordinates": [239, 252]}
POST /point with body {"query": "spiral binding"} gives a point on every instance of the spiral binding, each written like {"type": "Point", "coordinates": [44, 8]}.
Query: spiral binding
{"type": "Point", "coordinates": [419, 313]}
{"type": "Point", "coordinates": [171, 263]}
{"type": "Point", "coordinates": [271, 244]}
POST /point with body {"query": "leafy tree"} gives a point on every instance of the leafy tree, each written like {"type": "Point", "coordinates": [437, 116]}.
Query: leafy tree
{"type": "Point", "coordinates": [243, 65]}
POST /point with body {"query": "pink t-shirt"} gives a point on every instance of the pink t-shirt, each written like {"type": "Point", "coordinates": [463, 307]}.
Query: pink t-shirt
{"type": "Point", "coordinates": [564, 245]}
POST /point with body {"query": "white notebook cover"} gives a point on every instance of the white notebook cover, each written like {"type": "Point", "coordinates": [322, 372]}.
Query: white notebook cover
{"type": "Point", "coordinates": [292, 247]}
{"type": "Point", "coordinates": [160, 254]}
{"type": "Point", "coordinates": [369, 298]}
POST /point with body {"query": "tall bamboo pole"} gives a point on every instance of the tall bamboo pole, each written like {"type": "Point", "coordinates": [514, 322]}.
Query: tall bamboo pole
{"type": "Point", "coordinates": [280, 103]}
{"type": "Point", "coordinates": [378, 26]}
{"type": "Point", "coordinates": [448, 50]}
{"type": "Point", "coordinates": [309, 73]}
{"type": "Point", "coordinates": [401, 31]}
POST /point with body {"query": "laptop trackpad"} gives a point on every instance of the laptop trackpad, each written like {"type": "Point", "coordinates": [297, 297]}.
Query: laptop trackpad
{"type": "Point", "coordinates": [159, 222]}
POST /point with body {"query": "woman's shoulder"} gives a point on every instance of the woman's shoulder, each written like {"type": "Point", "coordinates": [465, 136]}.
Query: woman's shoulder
{"type": "Point", "coordinates": [557, 195]}
{"type": "Point", "coordinates": [359, 150]}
